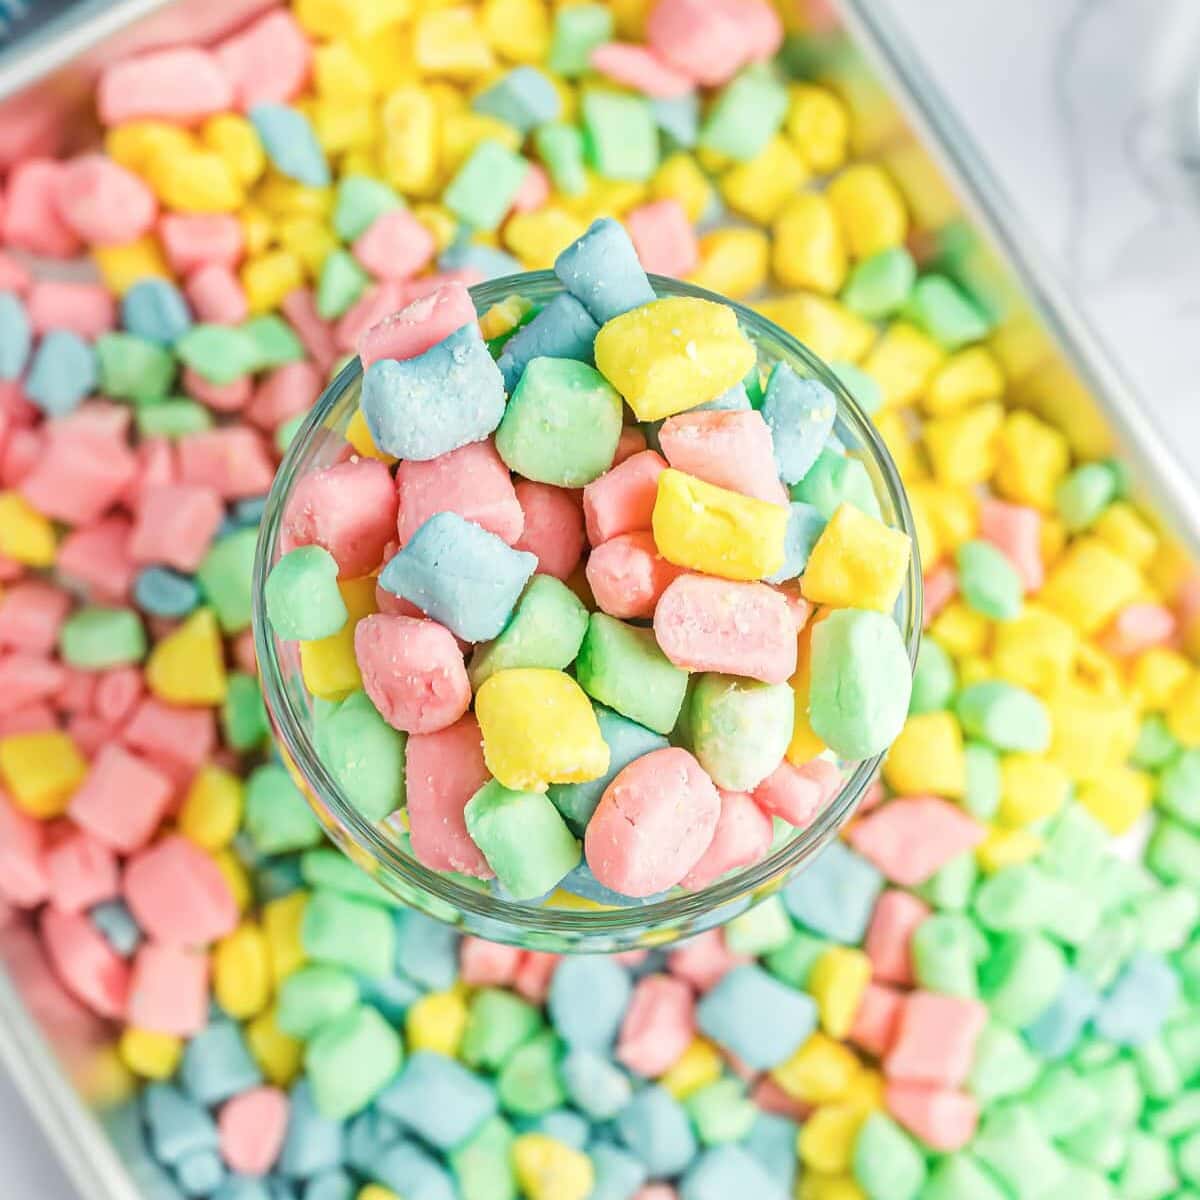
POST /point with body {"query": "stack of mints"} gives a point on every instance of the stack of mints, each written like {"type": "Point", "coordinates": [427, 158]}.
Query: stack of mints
{"type": "Point", "coordinates": [527, 629]}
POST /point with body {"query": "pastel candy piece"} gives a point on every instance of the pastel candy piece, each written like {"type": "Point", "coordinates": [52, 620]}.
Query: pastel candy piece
{"type": "Point", "coordinates": [348, 509]}
{"type": "Point", "coordinates": [804, 527]}
{"type": "Point", "coordinates": [835, 894]}
{"type": "Point", "coordinates": [888, 942]}
{"type": "Point", "coordinates": [729, 449]}
{"type": "Point", "coordinates": [155, 309]}
{"type": "Point", "coordinates": [268, 60]}
{"type": "Point", "coordinates": [440, 1100]}
{"type": "Point", "coordinates": [836, 479]}
{"type": "Point", "coordinates": [587, 1001]}
{"type": "Point", "coordinates": [1004, 716]}
{"type": "Point", "coordinates": [364, 754]}
{"type": "Point", "coordinates": [413, 671]}
{"type": "Point", "coordinates": [538, 728]}
{"type": "Point", "coordinates": [987, 581]}
{"type": "Point", "coordinates": [601, 270]}
{"type": "Point", "coordinates": [632, 441]}
{"type": "Point", "coordinates": [122, 800]}
{"type": "Point", "coordinates": [482, 192]}
{"type": "Point", "coordinates": [796, 794]}
{"type": "Point", "coordinates": [742, 837]}
{"type": "Point", "coordinates": [622, 499]}
{"type": "Point", "coordinates": [183, 85]}
{"type": "Point", "coordinates": [1139, 1002]}
{"type": "Point", "coordinates": [563, 329]}
{"type": "Point", "coordinates": [861, 681]}
{"type": "Point", "coordinates": [656, 1128]}
{"type": "Point", "coordinates": [232, 460]}
{"type": "Point", "coordinates": [523, 98]}
{"type": "Point", "coordinates": [290, 143]}
{"type": "Point", "coordinates": [783, 1018]}
{"type": "Point", "coordinates": [216, 295]}
{"type": "Point", "coordinates": [177, 894]}
{"type": "Point", "coordinates": [1137, 628]}
{"type": "Point", "coordinates": [546, 630]}
{"type": "Point", "coordinates": [622, 667]}
{"type": "Point", "coordinates": [487, 964]}
{"type": "Point", "coordinates": [739, 728]}
{"type": "Point", "coordinates": [194, 240]}
{"type": "Point", "coordinates": [627, 575]}
{"type": "Point", "coordinates": [659, 1025]}
{"type": "Point", "coordinates": [553, 527]}
{"type": "Point", "coordinates": [944, 1119]}
{"type": "Point", "coordinates": [728, 1170]}
{"type": "Point", "coordinates": [638, 68]}
{"type": "Point", "coordinates": [705, 42]}
{"type": "Point", "coordinates": [448, 396]}
{"type": "Point", "coordinates": [874, 1027]}
{"type": "Point", "coordinates": [360, 200]}
{"type": "Point", "coordinates": [61, 374]}
{"type": "Point", "coordinates": [30, 218]}
{"type": "Point", "coordinates": [471, 481]}
{"type": "Point", "coordinates": [561, 425]}
{"type": "Point", "coordinates": [251, 1128]}
{"type": "Point", "coordinates": [82, 872]}
{"type": "Point", "coordinates": [707, 624]}
{"type": "Point", "coordinates": [522, 836]}
{"type": "Point", "coordinates": [444, 770]}
{"type": "Point", "coordinates": [103, 202]}
{"type": "Point", "coordinates": [653, 823]}
{"type": "Point", "coordinates": [460, 575]}
{"type": "Point", "coordinates": [715, 531]}
{"type": "Point", "coordinates": [912, 837]}
{"type": "Point", "coordinates": [1015, 530]}
{"type": "Point", "coordinates": [91, 970]}
{"type": "Point", "coordinates": [286, 392]}
{"type": "Point", "coordinates": [302, 598]}
{"type": "Point", "coordinates": [395, 246]}
{"type": "Point", "coordinates": [703, 960]}
{"type": "Point", "coordinates": [667, 356]}
{"type": "Point", "coordinates": [16, 336]}
{"type": "Point", "coordinates": [82, 308]}
{"type": "Point", "coordinates": [935, 1039]}
{"type": "Point", "coordinates": [419, 327]}
{"type": "Point", "coordinates": [800, 414]}
{"type": "Point", "coordinates": [23, 877]}
{"type": "Point", "coordinates": [626, 741]}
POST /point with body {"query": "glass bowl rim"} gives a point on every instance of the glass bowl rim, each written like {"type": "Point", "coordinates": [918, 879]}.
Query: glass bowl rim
{"type": "Point", "coordinates": [530, 919]}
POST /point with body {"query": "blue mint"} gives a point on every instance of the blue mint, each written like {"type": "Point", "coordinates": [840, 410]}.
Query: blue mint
{"type": "Point", "coordinates": [200, 1174]}
{"type": "Point", "coordinates": [772, 1140]}
{"type": "Point", "coordinates": [62, 374]}
{"type": "Point", "coordinates": [331, 1185]}
{"type": "Point", "coordinates": [413, 1174]}
{"type": "Point", "coordinates": [602, 271]}
{"type": "Point", "coordinates": [835, 895]}
{"type": "Point", "coordinates": [1058, 1028]}
{"type": "Point", "coordinates": [117, 926]}
{"type": "Point", "coordinates": [580, 881]}
{"type": "Point", "coordinates": [1139, 1003]}
{"type": "Point", "coordinates": [563, 329]}
{"type": "Point", "coordinates": [618, 1173]}
{"type": "Point", "coordinates": [426, 406]}
{"type": "Point", "coordinates": [523, 98]}
{"type": "Point", "coordinates": [657, 1128]}
{"type": "Point", "coordinates": [155, 310]}
{"type": "Point", "coordinates": [460, 575]}
{"type": "Point", "coordinates": [290, 143]}
{"type": "Point", "coordinates": [561, 1124]}
{"type": "Point", "coordinates": [735, 399]}
{"type": "Point", "coordinates": [176, 1125]}
{"type": "Point", "coordinates": [729, 1173]}
{"type": "Point", "coordinates": [595, 1084]}
{"type": "Point", "coordinates": [800, 413]}
{"type": "Point", "coordinates": [439, 1100]}
{"type": "Point", "coordinates": [678, 117]}
{"type": "Point", "coordinates": [804, 526]}
{"type": "Point", "coordinates": [16, 336]}
{"type": "Point", "coordinates": [242, 1187]}
{"type": "Point", "coordinates": [217, 1066]}
{"type": "Point", "coordinates": [426, 950]}
{"type": "Point", "coordinates": [368, 1136]}
{"type": "Point", "coordinates": [757, 1017]}
{"type": "Point", "coordinates": [490, 262]}
{"type": "Point", "coordinates": [314, 1144]}
{"type": "Point", "coordinates": [165, 593]}
{"type": "Point", "coordinates": [587, 1001]}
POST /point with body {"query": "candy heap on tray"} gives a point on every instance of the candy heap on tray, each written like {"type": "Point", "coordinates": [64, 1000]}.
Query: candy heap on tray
{"type": "Point", "coordinates": [558, 725]}
{"type": "Point", "coordinates": [988, 990]}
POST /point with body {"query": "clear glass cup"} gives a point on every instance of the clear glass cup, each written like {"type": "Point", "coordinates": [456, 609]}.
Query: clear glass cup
{"type": "Point", "coordinates": [473, 906]}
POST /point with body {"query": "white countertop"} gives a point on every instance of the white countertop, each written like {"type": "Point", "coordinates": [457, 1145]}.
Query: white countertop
{"type": "Point", "coordinates": [1083, 107]}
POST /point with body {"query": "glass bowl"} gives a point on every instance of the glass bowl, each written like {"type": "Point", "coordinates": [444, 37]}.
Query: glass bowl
{"type": "Point", "coordinates": [560, 924]}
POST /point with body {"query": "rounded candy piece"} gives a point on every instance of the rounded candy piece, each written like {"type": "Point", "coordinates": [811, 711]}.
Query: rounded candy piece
{"type": "Point", "coordinates": [653, 823]}
{"type": "Point", "coordinates": [538, 728]}
{"type": "Point", "coordinates": [739, 728]}
{"type": "Point", "coordinates": [861, 682]}
{"type": "Point", "coordinates": [706, 624]}
{"type": "Point", "coordinates": [413, 672]}
{"type": "Point", "coordinates": [302, 597]}
{"type": "Point", "coordinates": [103, 202]}
{"type": "Point", "coordinates": [628, 576]}
{"type": "Point", "coordinates": [553, 529]}
{"type": "Point", "coordinates": [349, 509]}
{"type": "Point", "coordinates": [561, 425]}
{"type": "Point", "coordinates": [671, 355]}
{"type": "Point", "coordinates": [742, 837]}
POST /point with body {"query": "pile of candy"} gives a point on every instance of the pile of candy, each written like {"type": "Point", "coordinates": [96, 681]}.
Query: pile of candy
{"type": "Point", "coordinates": [685, 537]}
{"type": "Point", "coordinates": [988, 990]}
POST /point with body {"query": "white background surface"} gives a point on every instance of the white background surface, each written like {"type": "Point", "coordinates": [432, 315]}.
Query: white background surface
{"type": "Point", "coordinates": [1089, 112]}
